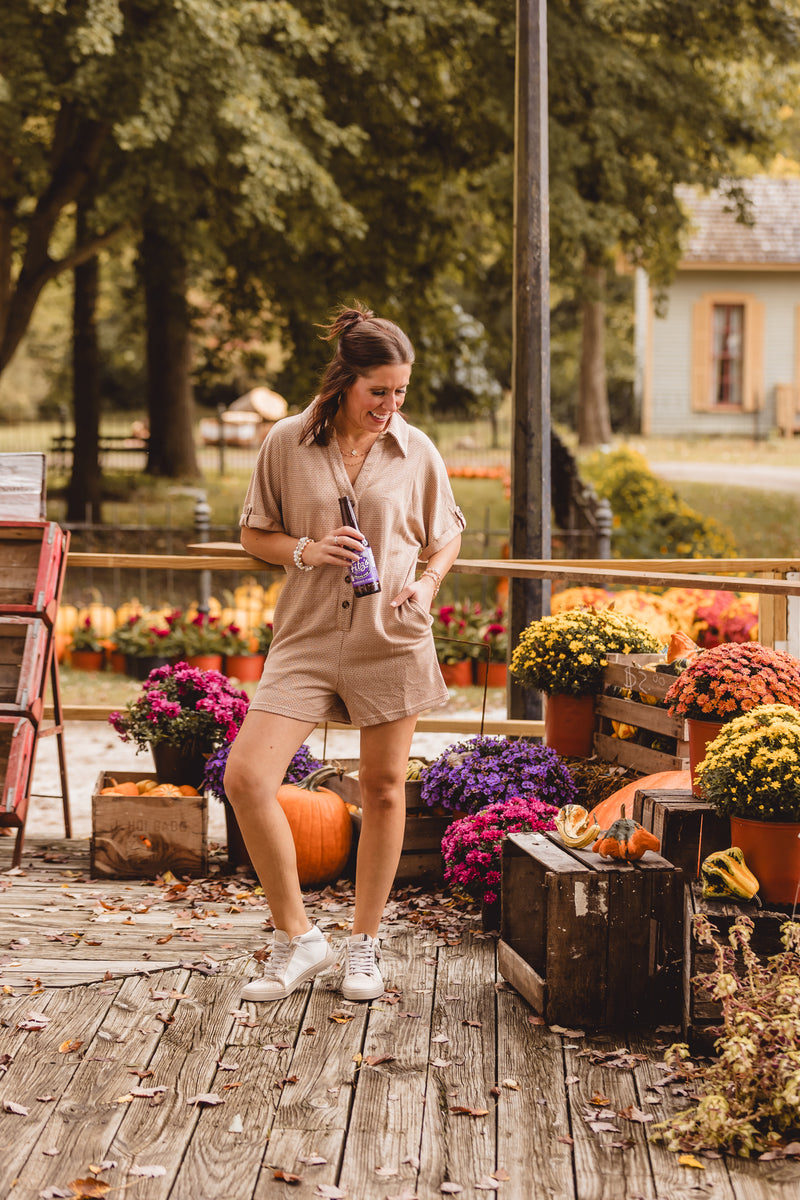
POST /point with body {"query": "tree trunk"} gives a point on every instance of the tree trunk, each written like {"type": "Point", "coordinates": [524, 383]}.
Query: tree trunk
{"type": "Point", "coordinates": [170, 399]}
{"type": "Point", "coordinates": [84, 494]}
{"type": "Point", "coordinates": [594, 421]}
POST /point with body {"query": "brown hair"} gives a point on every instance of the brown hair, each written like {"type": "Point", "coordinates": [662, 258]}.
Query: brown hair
{"type": "Point", "coordinates": [363, 341]}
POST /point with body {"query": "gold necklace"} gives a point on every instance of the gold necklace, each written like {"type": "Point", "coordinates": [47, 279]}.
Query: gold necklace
{"type": "Point", "coordinates": [352, 453]}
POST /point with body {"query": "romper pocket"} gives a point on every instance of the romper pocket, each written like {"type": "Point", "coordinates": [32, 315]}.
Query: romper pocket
{"type": "Point", "coordinates": [412, 618]}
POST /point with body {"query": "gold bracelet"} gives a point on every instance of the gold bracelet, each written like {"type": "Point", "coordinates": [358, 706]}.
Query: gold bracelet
{"type": "Point", "coordinates": [435, 576]}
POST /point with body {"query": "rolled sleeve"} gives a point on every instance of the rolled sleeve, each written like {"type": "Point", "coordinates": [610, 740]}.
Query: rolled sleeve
{"type": "Point", "coordinates": [262, 506]}
{"type": "Point", "coordinates": [444, 519]}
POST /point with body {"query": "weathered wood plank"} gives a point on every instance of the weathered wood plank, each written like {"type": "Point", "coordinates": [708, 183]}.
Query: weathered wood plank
{"type": "Point", "coordinates": [185, 1059]}
{"type": "Point", "coordinates": [39, 1069]}
{"type": "Point", "coordinates": [455, 1146]}
{"type": "Point", "coordinates": [530, 1120]}
{"type": "Point", "coordinates": [395, 1090]}
{"type": "Point", "coordinates": [602, 1171]}
{"type": "Point", "coordinates": [85, 1119]}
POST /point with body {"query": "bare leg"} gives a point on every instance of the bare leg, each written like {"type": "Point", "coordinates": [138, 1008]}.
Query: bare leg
{"type": "Point", "coordinates": [382, 774]}
{"type": "Point", "coordinates": [256, 766]}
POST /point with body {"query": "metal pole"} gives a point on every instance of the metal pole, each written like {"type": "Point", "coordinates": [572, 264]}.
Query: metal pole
{"type": "Point", "coordinates": [530, 453]}
{"type": "Point", "coordinates": [202, 523]}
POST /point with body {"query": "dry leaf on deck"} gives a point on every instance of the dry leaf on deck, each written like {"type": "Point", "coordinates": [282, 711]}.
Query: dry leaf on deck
{"type": "Point", "coordinates": [386, 1172]}
{"type": "Point", "coordinates": [88, 1189]}
{"type": "Point", "coordinates": [487, 1184]}
{"type": "Point", "coordinates": [209, 1098]}
{"type": "Point", "coordinates": [467, 1111]}
{"type": "Point", "coordinates": [19, 1110]}
{"type": "Point", "coordinates": [287, 1176]}
{"type": "Point", "coordinates": [502, 1174]}
{"type": "Point", "coordinates": [375, 1060]}
{"type": "Point", "coordinates": [53, 1151]}
{"type": "Point", "coordinates": [340, 1016]}
{"type": "Point", "coordinates": [451, 1189]}
{"type": "Point", "coordinates": [313, 1160]}
{"type": "Point", "coordinates": [632, 1113]}
{"type": "Point", "coordinates": [329, 1191]}
{"type": "Point", "coordinates": [236, 1125]}
{"type": "Point", "coordinates": [689, 1160]}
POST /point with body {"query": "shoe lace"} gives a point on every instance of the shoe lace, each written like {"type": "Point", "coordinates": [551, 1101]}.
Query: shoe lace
{"type": "Point", "coordinates": [360, 958]}
{"type": "Point", "coordinates": [278, 960]}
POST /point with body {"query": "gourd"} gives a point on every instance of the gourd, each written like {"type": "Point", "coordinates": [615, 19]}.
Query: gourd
{"type": "Point", "coordinates": [626, 839]}
{"type": "Point", "coordinates": [725, 875]}
{"type": "Point", "coordinates": [320, 825]}
{"type": "Point", "coordinates": [609, 809]}
{"type": "Point", "coordinates": [575, 826]}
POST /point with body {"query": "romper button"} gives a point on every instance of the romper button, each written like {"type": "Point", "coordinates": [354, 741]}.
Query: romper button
{"type": "Point", "coordinates": [347, 579]}
{"type": "Point", "coordinates": [345, 604]}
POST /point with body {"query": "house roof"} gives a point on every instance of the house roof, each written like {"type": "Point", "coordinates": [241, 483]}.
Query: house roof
{"type": "Point", "coordinates": [717, 237]}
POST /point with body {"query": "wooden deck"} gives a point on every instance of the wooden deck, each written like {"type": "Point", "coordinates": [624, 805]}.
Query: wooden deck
{"type": "Point", "coordinates": [127, 1060]}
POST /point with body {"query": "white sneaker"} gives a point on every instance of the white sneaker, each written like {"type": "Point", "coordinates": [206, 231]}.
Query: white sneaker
{"type": "Point", "coordinates": [362, 979]}
{"type": "Point", "coordinates": [292, 963]}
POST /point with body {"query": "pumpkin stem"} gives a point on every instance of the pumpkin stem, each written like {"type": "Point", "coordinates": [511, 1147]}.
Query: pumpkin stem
{"type": "Point", "coordinates": [312, 782]}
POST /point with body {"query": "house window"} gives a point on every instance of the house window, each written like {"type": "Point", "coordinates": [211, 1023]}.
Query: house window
{"type": "Point", "coordinates": [728, 354]}
{"type": "Point", "coordinates": [727, 372]}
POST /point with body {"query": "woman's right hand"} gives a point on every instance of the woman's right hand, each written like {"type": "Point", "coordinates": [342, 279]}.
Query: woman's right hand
{"type": "Point", "coordinates": [340, 547]}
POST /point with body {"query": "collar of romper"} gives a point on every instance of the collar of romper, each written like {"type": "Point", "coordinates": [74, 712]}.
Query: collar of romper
{"type": "Point", "coordinates": [397, 430]}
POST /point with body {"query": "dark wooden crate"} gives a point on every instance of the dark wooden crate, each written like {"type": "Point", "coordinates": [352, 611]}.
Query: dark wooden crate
{"type": "Point", "coordinates": [582, 936]}
{"type": "Point", "coordinates": [137, 837]}
{"type": "Point", "coordinates": [688, 829]}
{"type": "Point", "coordinates": [627, 671]}
{"type": "Point", "coordinates": [421, 856]}
{"type": "Point", "coordinates": [701, 1013]}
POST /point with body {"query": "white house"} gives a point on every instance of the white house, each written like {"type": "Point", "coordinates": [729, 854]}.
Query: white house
{"type": "Point", "coordinates": [725, 356]}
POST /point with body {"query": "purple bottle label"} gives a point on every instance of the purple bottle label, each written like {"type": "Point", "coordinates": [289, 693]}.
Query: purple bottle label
{"type": "Point", "coordinates": [363, 570]}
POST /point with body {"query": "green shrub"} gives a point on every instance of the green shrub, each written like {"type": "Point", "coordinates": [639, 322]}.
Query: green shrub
{"type": "Point", "coordinates": [650, 519]}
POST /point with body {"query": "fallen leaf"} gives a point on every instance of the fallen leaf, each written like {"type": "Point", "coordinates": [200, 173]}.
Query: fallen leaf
{"type": "Point", "coordinates": [632, 1113]}
{"type": "Point", "coordinates": [209, 1098]}
{"type": "Point", "coordinates": [236, 1125]}
{"type": "Point", "coordinates": [18, 1110]}
{"type": "Point", "coordinates": [341, 1017]}
{"type": "Point", "coordinates": [599, 1099]}
{"type": "Point", "coordinates": [473, 1024]}
{"type": "Point", "coordinates": [575, 1033]}
{"type": "Point", "coordinates": [313, 1160]}
{"type": "Point", "coordinates": [510, 1083]}
{"type": "Point", "coordinates": [88, 1189]}
{"type": "Point", "coordinates": [440, 1037]}
{"type": "Point", "coordinates": [375, 1060]}
{"type": "Point", "coordinates": [502, 1174]}
{"type": "Point", "coordinates": [148, 1172]}
{"type": "Point", "coordinates": [45, 1099]}
{"type": "Point", "coordinates": [566, 1139]}
{"type": "Point", "coordinates": [226, 1066]}
{"type": "Point", "coordinates": [440, 1062]}
{"type": "Point", "coordinates": [108, 1164]}
{"type": "Point", "coordinates": [689, 1160]}
{"type": "Point", "coordinates": [34, 1020]}
{"type": "Point", "coordinates": [330, 1191]}
{"type": "Point", "coordinates": [451, 1189]}
{"type": "Point", "coordinates": [536, 1021]}
{"type": "Point", "coordinates": [56, 1193]}
{"type": "Point", "coordinates": [467, 1111]}
{"type": "Point", "coordinates": [287, 1176]}
{"type": "Point", "coordinates": [487, 1184]}
{"type": "Point", "coordinates": [411, 1161]}
{"type": "Point", "coordinates": [52, 1151]}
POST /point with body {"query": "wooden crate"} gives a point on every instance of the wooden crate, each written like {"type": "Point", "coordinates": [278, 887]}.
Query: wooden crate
{"type": "Point", "coordinates": [16, 760]}
{"type": "Point", "coordinates": [137, 837]}
{"type": "Point", "coordinates": [32, 555]}
{"type": "Point", "coordinates": [23, 666]}
{"type": "Point", "coordinates": [626, 671]}
{"type": "Point", "coordinates": [701, 1013]}
{"type": "Point", "coordinates": [582, 936]}
{"type": "Point", "coordinates": [688, 829]}
{"type": "Point", "coordinates": [421, 856]}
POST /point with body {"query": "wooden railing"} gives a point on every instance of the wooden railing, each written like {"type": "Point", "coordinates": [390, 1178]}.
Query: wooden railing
{"type": "Point", "coordinates": [775, 582]}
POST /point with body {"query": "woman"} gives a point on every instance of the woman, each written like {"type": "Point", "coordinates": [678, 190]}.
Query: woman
{"type": "Point", "coordinates": [368, 660]}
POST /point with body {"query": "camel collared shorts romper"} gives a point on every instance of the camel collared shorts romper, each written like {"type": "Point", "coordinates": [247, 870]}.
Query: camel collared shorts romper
{"type": "Point", "coordinates": [335, 656]}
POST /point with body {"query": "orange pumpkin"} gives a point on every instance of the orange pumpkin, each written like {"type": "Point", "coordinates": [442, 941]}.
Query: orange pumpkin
{"type": "Point", "coordinates": [120, 789]}
{"type": "Point", "coordinates": [320, 825]}
{"type": "Point", "coordinates": [165, 789]}
{"type": "Point", "coordinates": [609, 810]}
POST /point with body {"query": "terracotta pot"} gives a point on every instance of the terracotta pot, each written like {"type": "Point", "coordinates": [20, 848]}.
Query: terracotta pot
{"type": "Point", "coordinates": [497, 672]}
{"type": "Point", "coordinates": [118, 662]}
{"type": "Point", "coordinates": [772, 852]}
{"type": "Point", "coordinates": [237, 851]}
{"type": "Point", "coordinates": [205, 662]}
{"type": "Point", "coordinates": [175, 765]}
{"type": "Point", "coordinates": [569, 725]}
{"type": "Point", "coordinates": [246, 668]}
{"type": "Point", "coordinates": [457, 674]}
{"type": "Point", "coordinates": [87, 660]}
{"type": "Point", "coordinates": [700, 734]}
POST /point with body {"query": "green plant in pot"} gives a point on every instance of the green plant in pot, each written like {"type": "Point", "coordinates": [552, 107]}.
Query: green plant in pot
{"type": "Point", "coordinates": [751, 774]}
{"type": "Point", "coordinates": [564, 655]}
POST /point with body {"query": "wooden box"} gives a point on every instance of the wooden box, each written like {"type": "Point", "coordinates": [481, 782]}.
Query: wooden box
{"type": "Point", "coordinates": [661, 741]}
{"type": "Point", "coordinates": [31, 555]}
{"type": "Point", "coordinates": [688, 829]}
{"type": "Point", "coordinates": [421, 857]}
{"type": "Point", "coordinates": [138, 837]}
{"type": "Point", "coordinates": [16, 758]}
{"type": "Point", "coordinates": [701, 1013]}
{"type": "Point", "coordinates": [582, 936]}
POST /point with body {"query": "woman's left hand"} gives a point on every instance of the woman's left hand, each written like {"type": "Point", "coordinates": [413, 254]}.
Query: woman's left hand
{"type": "Point", "coordinates": [422, 590]}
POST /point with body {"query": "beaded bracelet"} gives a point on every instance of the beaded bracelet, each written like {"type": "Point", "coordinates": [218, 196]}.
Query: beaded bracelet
{"type": "Point", "coordinates": [435, 576]}
{"type": "Point", "coordinates": [297, 554]}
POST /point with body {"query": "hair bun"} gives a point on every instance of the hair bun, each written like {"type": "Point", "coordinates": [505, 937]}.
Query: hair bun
{"type": "Point", "coordinates": [345, 319]}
